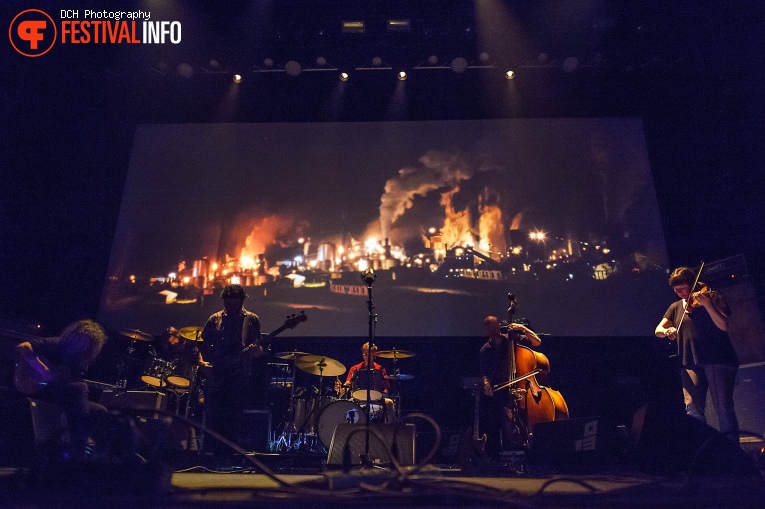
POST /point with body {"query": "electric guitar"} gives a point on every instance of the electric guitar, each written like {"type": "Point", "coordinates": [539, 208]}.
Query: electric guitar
{"type": "Point", "coordinates": [472, 448]}
{"type": "Point", "coordinates": [235, 363]}
{"type": "Point", "coordinates": [479, 443]}
{"type": "Point", "coordinates": [29, 382]}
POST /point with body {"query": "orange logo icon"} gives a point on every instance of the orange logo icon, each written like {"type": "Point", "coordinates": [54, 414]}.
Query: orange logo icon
{"type": "Point", "coordinates": [32, 33]}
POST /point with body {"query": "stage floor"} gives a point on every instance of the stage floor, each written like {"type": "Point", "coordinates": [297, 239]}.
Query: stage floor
{"type": "Point", "coordinates": [117, 486]}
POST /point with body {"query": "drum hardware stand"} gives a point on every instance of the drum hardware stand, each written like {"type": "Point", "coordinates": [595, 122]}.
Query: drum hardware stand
{"type": "Point", "coordinates": [122, 369]}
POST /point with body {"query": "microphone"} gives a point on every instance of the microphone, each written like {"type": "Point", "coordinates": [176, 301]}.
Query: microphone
{"type": "Point", "coordinates": [368, 276]}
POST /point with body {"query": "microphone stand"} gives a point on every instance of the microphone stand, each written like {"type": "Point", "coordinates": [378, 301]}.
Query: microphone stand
{"type": "Point", "coordinates": [369, 277]}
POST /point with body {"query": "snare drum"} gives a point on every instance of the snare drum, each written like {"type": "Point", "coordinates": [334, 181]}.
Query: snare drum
{"type": "Point", "coordinates": [338, 412]}
{"type": "Point", "coordinates": [362, 379]}
{"type": "Point", "coordinates": [156, 372]}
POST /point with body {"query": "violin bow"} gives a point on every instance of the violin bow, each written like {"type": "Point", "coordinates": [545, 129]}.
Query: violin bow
{"type": "Point", "coordinates": [690, 298]}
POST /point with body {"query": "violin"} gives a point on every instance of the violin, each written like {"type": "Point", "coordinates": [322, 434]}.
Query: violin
{"type": "Point", "coordinates": [693, 299]}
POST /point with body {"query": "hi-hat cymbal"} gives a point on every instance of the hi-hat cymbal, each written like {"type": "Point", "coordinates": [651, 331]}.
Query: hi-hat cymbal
{"type": "Point", "coordinates": [400, 376]}
{"type": "Point", "coordinates": [137, 335]}
{"type": "Point", "coordinates": [290, 356]}
{"type": "Point", "coordinates": [395, 354]}
{"type": "Point", "coordinates": [191, 333]}
{"type": "Point", "coordinates": [320, 365]}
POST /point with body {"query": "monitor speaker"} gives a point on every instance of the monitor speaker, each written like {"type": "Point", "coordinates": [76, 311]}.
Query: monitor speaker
{"type": "Point", "coordinates": [349, 444]}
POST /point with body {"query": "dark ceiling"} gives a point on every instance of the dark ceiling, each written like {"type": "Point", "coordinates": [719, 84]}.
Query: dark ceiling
{"type": "Point", "coordinates": [691, 70]}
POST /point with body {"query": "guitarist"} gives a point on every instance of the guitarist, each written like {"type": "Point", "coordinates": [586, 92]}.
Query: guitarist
{"type": "Point", "coordinates": [51, 369]}
{"type": "Point", "coordinates": [493, 359]}
{"type": "Point", "coordinates": [225, 335]}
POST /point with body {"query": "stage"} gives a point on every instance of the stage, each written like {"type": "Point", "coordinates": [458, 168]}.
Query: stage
{"type": "Point", "coordinates": [429, 487]}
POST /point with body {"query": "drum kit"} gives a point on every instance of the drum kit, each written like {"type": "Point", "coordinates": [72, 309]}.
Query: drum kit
{"type": "Point", "coordinates": [316, 415]}
{"type": "Point", "coordinates": [311, 416]}
{"type": "Point", "coordinates": [176, 378]}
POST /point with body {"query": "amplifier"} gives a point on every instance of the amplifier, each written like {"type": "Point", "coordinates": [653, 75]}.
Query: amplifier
{"type": "Point", "coordinates": [134, 399]}
{"type": "Point", "coordinates": [726, 271]}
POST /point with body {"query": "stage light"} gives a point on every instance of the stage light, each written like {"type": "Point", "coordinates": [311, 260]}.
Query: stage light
{"type": "Point", "coordinates": [510, 75]}
{"type": "Point", "coordinates": [570, 64]}
{"type": "Point", "coordinates": [402, 75]}
{"type": "Point", "coordinates": [353, 26]}
{"type": "Point", "coordinates": [377, 61]}
{"type": "Point", "coordinates": [483, 57]}
{"type": "Point", "coordinates": [185, 70]}
{"type": "Point", "coordinates": [432, 60]}
{"type": "Point", "coordinates": [321, 61]}
{"type": "Point", "coordinates": [459, 65]}
{"type": "Point", "coordinates": [237, 78]}
{"type": "Point", "coordinates": [343, 76]}
{"type": "Point", "coordinates": [399, 25]}
{"type": "Point", "coordinates": [268, 62]}
{"type": "Point", "coordinates": [293, 68]}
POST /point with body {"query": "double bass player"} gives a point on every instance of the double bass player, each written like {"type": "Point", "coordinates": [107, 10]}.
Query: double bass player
{"type": "Point", "coordinates": [498, 418]}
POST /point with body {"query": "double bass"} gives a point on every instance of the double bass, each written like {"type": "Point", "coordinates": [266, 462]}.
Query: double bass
{"type": "Point", "coordinates": [530, 402]}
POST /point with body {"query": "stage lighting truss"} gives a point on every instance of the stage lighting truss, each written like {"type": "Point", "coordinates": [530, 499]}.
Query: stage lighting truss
{"type": "Point", "coordinates": [294, 68]}
{"type": "Point", "coordinates": [433, 62]}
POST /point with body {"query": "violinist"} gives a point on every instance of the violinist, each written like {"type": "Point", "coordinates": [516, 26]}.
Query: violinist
{"type": "Point", "coordinates": [493, 358]}
{"type": "Point", "coordinates": [698, 322]}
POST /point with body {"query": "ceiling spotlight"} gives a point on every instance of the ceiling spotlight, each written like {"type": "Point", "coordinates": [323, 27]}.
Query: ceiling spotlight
{"type": "Point", "coordinates": [510, 75]}
{"type": "Point", "coordinates": [268, 62]}
{"type": "Point", "coordinates": [321, 61]}
{"type": "Point", "coordinates": [399, 25]}
{"type": "Point", "coordinates": [343, 76]}
{"type": "Point", "coordinates": [377, 61]}
{"type": "Point", "coordinates": [483, 57]}
{"type": "Point", "coordinates": [432, 60]}
{"type": "Point", "coordinates": [293, 68]}
{"type": "Point", "coordinates": [353, 26]}
{"type": "Point", "coordinates": [402, 75]}
{"type": "Point", "coordinates": [214, 64]}
{"type": "Point", "coordinates": [237, 78]}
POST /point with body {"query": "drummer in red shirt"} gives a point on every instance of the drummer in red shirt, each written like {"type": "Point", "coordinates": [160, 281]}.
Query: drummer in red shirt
{"type": "Point", "coordinates": [379, 387]}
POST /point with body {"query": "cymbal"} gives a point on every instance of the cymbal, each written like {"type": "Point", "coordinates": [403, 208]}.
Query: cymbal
{"type": "Point", "coordinates": [395, 354]}
{"type": "Point", "coordinates": [137, 335]}
{"type": "Point", "coordinates": [320, 365]}
{"type": "Point", "coordinates": [290, 356]}
{"type": "Point", "coordinates": [191, 333]}
{"type": "Point", "coordinates": [400, 376]}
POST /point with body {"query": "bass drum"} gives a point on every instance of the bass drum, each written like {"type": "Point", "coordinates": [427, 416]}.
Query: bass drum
{"type": "Point", "coordinates": [341, 411]}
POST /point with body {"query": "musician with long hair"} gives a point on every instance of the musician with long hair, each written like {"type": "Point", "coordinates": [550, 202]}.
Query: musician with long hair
{"type": "Point", "coordinates": [57, 365]}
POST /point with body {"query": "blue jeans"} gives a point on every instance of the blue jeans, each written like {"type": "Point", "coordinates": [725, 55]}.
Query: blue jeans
{"type": "Point", "coordinates": [719, 380]}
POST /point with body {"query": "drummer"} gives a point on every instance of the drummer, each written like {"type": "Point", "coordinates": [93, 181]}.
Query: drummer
{"type": "Point", "coordinates": [354, 371]}
{"type": "Point", "coordinates": [175, 348]}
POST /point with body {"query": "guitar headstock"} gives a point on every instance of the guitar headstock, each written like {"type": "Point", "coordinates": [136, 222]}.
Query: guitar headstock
{"type": "Point", "coordinates": [293, 320]}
